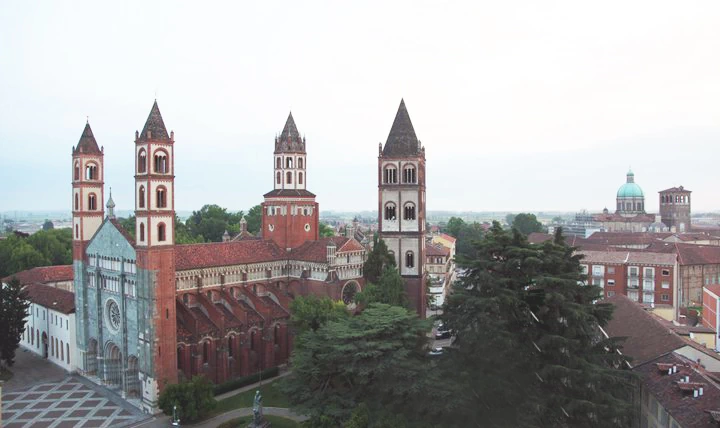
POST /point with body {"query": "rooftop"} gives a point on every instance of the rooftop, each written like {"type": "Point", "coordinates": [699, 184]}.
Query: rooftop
{"type": "Point", "coordinates": [51, 297]}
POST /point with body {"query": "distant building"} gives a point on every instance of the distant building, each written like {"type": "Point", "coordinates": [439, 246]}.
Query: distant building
{"type": "Point", "coordinates": [711, 310]}
{"type": "Point", "coordinates": [675, 208]}
{"type": "Point", "coordinates": [630, 215]}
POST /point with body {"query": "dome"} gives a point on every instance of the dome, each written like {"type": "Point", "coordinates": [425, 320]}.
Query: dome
{"type": "Point", "coordinates": [630, 190]}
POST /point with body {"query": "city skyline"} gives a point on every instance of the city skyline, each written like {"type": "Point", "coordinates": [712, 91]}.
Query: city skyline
{"type": "Point", "coordinates": [503, 100]}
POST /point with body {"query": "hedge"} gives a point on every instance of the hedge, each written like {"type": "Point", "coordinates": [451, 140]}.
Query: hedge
{"type": "Point", "coordinates": [246, 380]}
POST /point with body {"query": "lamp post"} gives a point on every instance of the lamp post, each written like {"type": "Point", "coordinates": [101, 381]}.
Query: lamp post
{"type": "Point", "coordinates": [175, 418]}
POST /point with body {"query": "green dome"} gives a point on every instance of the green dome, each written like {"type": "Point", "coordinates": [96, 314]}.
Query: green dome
{"type": "Point", "coordinates": [630, 190]}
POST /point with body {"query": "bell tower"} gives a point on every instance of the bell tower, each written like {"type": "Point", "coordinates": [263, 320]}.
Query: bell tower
{"type": "Point", "coordinates": [88, 191]}
{"type": "Point", "coordinates": [401, 204]}
{"type": "Point", "coordinates": [154, 243]}
{"type": "Point", "coordinates": [290, 213]}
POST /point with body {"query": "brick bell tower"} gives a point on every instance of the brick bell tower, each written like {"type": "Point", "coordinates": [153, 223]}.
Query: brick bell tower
{"type": "Point", "coordinates": [290, 213]}
{"type": "Point", "coordinates": [401, 204]}
{"type": "Point", "coordinates": [88, 191]}
{"type": "Point", "coordinates": [154, 243]}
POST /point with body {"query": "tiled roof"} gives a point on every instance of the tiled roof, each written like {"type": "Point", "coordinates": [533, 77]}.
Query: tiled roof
{"type": "Point", "coordinates": [402, 140]}
{"type": "Point", "coordinates": [676, 397]}
{"type": "Point", "coordinates": [448, 237]}
{"type": "Point", "coordinates": [316, 251]}
{"type": "Point", "coordinates": [289, 193]}
{"type": "Point", "coordinates": [43, 275]}
{"type": "Point", "coordinates": [537, 237]}
{"type": "Point", "coordinates": [155, 125]}
{"type": "Point", "coordinates": [193, 256]}
{"type": "Point", "coordinates": [640, 218]}
{"type": "Point", "coordinates": [691, 254]}
{"type": "Point", "coordinates": [436, 250]}
{"type": "Point", "coordinates": [625, 238]}
{"type": "Point", "coordinates": [290, 139]}
{"type": "Point", "coordinates": [87, 143]}
{"type": "Point", "coordinates": [647, 339]}
{"type": "Point", "coordinates": [51, 297]}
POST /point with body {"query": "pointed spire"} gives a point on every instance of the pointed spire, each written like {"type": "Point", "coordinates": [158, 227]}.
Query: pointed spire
{"type": "Point", "coordinates": [402, 140]}
{"type": "Point", "coordinates": [110, 206]}
{"type": "Point", "coordinates": [154, 128]}
{"type": "Point", "coordinates": [87, 143]}
{"type": "Point", "coordinates": [290, 139]}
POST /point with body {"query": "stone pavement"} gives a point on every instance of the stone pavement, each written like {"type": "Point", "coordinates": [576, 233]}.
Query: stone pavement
{"type": "Point", "coordinates": [71, 402]}
{"type": "Point", "coordinates": [30, 369]}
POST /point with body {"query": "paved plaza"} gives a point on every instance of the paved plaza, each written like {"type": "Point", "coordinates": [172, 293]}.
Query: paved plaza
{"type": "Point", "coordinates": [61, 401]}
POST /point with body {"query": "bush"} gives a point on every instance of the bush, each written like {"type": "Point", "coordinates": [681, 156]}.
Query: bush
{"type": "Point", "coordinates": [246, 380]}
{"type": "Point", "coordinates": [194, 399]}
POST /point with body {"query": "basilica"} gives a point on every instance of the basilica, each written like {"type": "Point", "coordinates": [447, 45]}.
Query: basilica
{"type": "Point", "coordinates": [149, 312]}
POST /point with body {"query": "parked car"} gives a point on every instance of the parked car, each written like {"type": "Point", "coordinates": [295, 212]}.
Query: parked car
{"type": "Point", "coordinates": [435, 352]}
{"type": "Point", "coordinates": [442, 333]}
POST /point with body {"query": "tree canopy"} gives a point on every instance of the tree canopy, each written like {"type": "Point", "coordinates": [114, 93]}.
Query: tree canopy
{"type": "Point", "coordinates": [527, 349]}
{"type": "Point", "coordinates": [527, 223]}
{"type": "Point", "coordinates": [377, 261]}
{"type": "Point", "coordinates": [465, 233]}
{"type": "Point", "coordinates": [13, 310]}
{"type": "Point", "coordinates": [326, 231]}
{"type": "Point", "coordinates": [312, 312]}
{"type": "Point", "coordinates": [43, 248]}
{"type": "Point", "coordinates": [389, 289]}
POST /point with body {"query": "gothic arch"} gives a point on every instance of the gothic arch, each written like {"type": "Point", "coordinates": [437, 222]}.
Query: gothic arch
{"type": "Point", "coordinates": [161, 161]}
{"type": "Point", "coordinates": [348, 292]}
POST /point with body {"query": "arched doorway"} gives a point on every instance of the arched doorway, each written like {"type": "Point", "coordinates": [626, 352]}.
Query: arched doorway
{"type": "Point", "coordinates": [91, 357]}
{"type": "Point", "coordinates": [113, 365]}
{"type": "Point", "coordinates": [133, 382]}
{"type": "Point", "coordinates": [44, 345]}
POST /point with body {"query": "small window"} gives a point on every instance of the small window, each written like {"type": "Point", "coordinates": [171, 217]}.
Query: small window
{"type": "Point", "coordinates": [161, 232]}
{"type": "Point", "coordinates": [665, 297]}
{"type": "Point", "coordinates": [666, 284]}
{"type": "Point", "coordinates": [161, 162]}
{"type": "Point", "coordinates": [611, 269]}
{"type": "Point", "coordinates": [300, 163]}
{"type": "Point", "coordinates": [666, 272]}
{"type": "Point", "coordinates": [390, 211]}
{"type": "Point", "coordinates": [288, 177]}
{"type": "Point", "coordinates": [91, 172]}
{"type": "Point", "coordinates": [92, 202]}
{"type": "Point", "coordinates": [409, 175]}
{"type": "Point", "coordinates": [390, 175]}
{"type": "Point", "coordinates": [77, 171]}
{"type": "Point", "coordinates": [278, 163]}
{"type": "Point", "coordinates": [610, 293]}
{"type": "Point", "coordinates": [230, 346]}
{"type": "Point", "coordinates": [142, 232]}
{"type": "Point", "coordinates": [409, 211]}
{"type": "Point", "coordinates": [161, 197]}
{"type": "Point", "coordinates": [409, 259]}
{"type": "Point", "coordinates": [141, 197]}
{"type": "Point", "coordinates": [611, 282]}
{"type": "Point", "coordinates": [288, 162]}
{"type": "Point", "coordinates": [77, 202]}
{"type": "Point", "coordinates": [206, 351]}
{"type": "Point", "coordinates": [142, 161]}
{"type": "Point", "coordinates": [300, 178]}
{"type": "Point", "coordinates": [278, 177]}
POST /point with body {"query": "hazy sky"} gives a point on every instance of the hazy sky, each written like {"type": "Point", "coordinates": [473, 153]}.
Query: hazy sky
{"type": "Point", "coordinates": [520, 105]}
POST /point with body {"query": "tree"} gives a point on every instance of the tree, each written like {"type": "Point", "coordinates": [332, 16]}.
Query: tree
{"type": "Point", "coordinates": [254, 219]}
{"type": "Point", "coordinates": [527, 224]}
{"type": "Point", "coordinates": [16, 254]}
{"type": "Point", "coordinates": [326, 231]}
{"type": "Point", "coordinates": [454, 225]}
{"type": "Point", "coordinates": [312, 312]}
{"type": "Point", "coordinates": [467, 236]}
{"type": "Point", "coordinates": [211, 222]}
{"type": "Point", "coordinates": [183, 235]}
{"type": "Point", "coordinates": [378, 260]}
{"type": "Point", "coordinates": [54, 245]}
{"type": "Point", "coordinates": [128, 224]}
{"type": "Point", "coordinates": [528, 350]}
{"type": "Point", "coordinates": [13, 310]}
{"type": "Point", "coordinates": [194, 398]}
{"type": "Point", "coordinates": [376, 359]}
{"type": "Point", "coordinates": [509, 219]}
{"type": "Point", "coordinates": [48, 225]}
{"type": "Point", "coordinates": [390, 290]}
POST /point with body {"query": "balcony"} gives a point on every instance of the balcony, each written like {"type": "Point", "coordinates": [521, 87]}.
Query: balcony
{"type": "Point", "coordinates": [633, 285]}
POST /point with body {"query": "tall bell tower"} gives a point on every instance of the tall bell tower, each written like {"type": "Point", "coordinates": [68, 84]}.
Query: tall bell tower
{"type": "Point", "coordinates": [401, 204]}
{"type": "Point", "coordinates": [154, 244]}
{"type": "Point", "coordinates": [88, 191]}
{"type": "Point", "coordinates": [290, 214]}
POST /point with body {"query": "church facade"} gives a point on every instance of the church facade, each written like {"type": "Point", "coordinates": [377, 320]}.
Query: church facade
{"type": "Point", "coordinates": [150, 312]}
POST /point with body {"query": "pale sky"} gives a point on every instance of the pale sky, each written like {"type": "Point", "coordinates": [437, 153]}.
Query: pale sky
{"type": "Point", "coordinates": [521, 106]}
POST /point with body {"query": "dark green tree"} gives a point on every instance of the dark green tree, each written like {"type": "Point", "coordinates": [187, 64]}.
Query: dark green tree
{"type": "Point", "coordinates": [13, 310]}
{"type": "Point", "coordinates": [326, 231]}
{"type": "Point", "coordinates": [254, 219]}
{"type": "Point", "coordinates": [528, 350]}
{"type": "Point", "coordinates": [193, 398]}
{"type": "Point", "coordinates": [527, 224]}
{"type": "Point", "coordinates": [377, 261]}
{"type": "Point", "coordinates": [211, 222]}
{"type": "Point", "coordinates": [55, 245]}
{"type": "Point", "coordinates": [312, 312]}
{"type": "Point", "coordinates": [48, 225]}
{"type": "Point", "coordinates": [389, 289]}
{"type": "Point", "coordinates": [509, 219]}
{"type": "Point", "coordinates": [376, 359]}
{"type": "Point", "coordinates": [16, 254]}
{"type": "Point", "coordinates": [183, 235]}
{"type": "Point", "coordinates": [467, 236]}
{"type": "Point", "coordinates": [128, 224]}
{"type": "Point", "coordinates": [454, 226]}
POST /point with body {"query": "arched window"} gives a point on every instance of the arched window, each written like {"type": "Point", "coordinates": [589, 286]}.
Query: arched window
{"type": "Point", "coordinates": [230, 346]}
{"type": "Point", "coordinates": [390, 174]}
{"type": "Point", "coordinates": [77, 171]}
{"type": "Point", "coordinates": [52, 347]}
{"type": "Point", "coordinates": [206, 351]}
{"type": "Point", "coordinates": [92, 202]}
{"type": "Point", "coordinates": [141, 197]}
{"type": "Point", "coordinates": [161, 162]}
{"type": "Point", "coordinates": [390, 211]}
{"type": "Point", "coordinates": [409, 211]}
{"type": "Point", "coordinates": [278, 163]}
{"type": "Point", "coordinates": [77, 232]}
{"type": "Point", "coordinates": [77, 202]}
{"type": "Point", "coordinates": [288, 177]}
{"type": "Point", "coordinates": [142, 231]}
{"type": "Point", "coordinates": [161, 232]}
{"type": "Point", "coordinates": [161, 199]}
{"type": "Point", "coordinates": [300, 163]}
{"type": "Point", "coordinates": [179, 358]}
{"type": "Point", "coordinates": [62, 351]}
{"type": "Point", "coordinates": [409, 259]}
{"type": "Point", "coordinates": [67, 352]}
{"type": "Point", "coordinates": [278, 177]}
{"type": "Point", "coordinates": [288, 162]}
{"type": "Point", "coordinates": [91, 172]}
{"type": "Point", "coordinates": [300, 178]}
{"type": "Point", "coordinates": [142, 161]}
{"type": "Point", "coordinates": [409, 174]}
{"type": "Point", "coordinates": [32, 336]}
{"type": "Point", "coordinates": [276, 335]}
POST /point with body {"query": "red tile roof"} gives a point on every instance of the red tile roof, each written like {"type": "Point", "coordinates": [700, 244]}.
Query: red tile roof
{"type": "Point", "coordinates": [351, 245]}
{"type": "Point", "coordinates": [691, 254]}
{"type": "Point", "coordinates": [448, 237]}
{"type": "Point", "coordinates": [51, 297]}
{"type": "Point", "coordinates": [537, 237]}
{"type": "Point", "coordinates": [43, 275]}
{"type": "Point", "coordinates": [316, 251]}
{"type": "Point", "coordinates": [193, 256]}
{"type": "Point", "coordinates": [436, 250]}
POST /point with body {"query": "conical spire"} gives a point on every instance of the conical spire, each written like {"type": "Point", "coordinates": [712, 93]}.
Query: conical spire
{"type": "Point", "coordinates": [290, 139]}
{"type": "Point", "coordinates": [155, 126]}
{"type": "Point", "coordinates": [402, 140]}
{"type": "Point", "coordinates": [87, 143]}
{"type": "Point", "coordinates": [110, 206]}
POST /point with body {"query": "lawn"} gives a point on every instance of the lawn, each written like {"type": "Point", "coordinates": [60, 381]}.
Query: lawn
{"type": "Point", "coordinates": [276, 421]}
{"type": "Point", "coordinates": [271, 394]}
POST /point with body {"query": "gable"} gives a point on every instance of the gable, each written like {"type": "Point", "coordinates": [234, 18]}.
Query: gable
{"type": "Point", "coordinates": [108, 240]}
